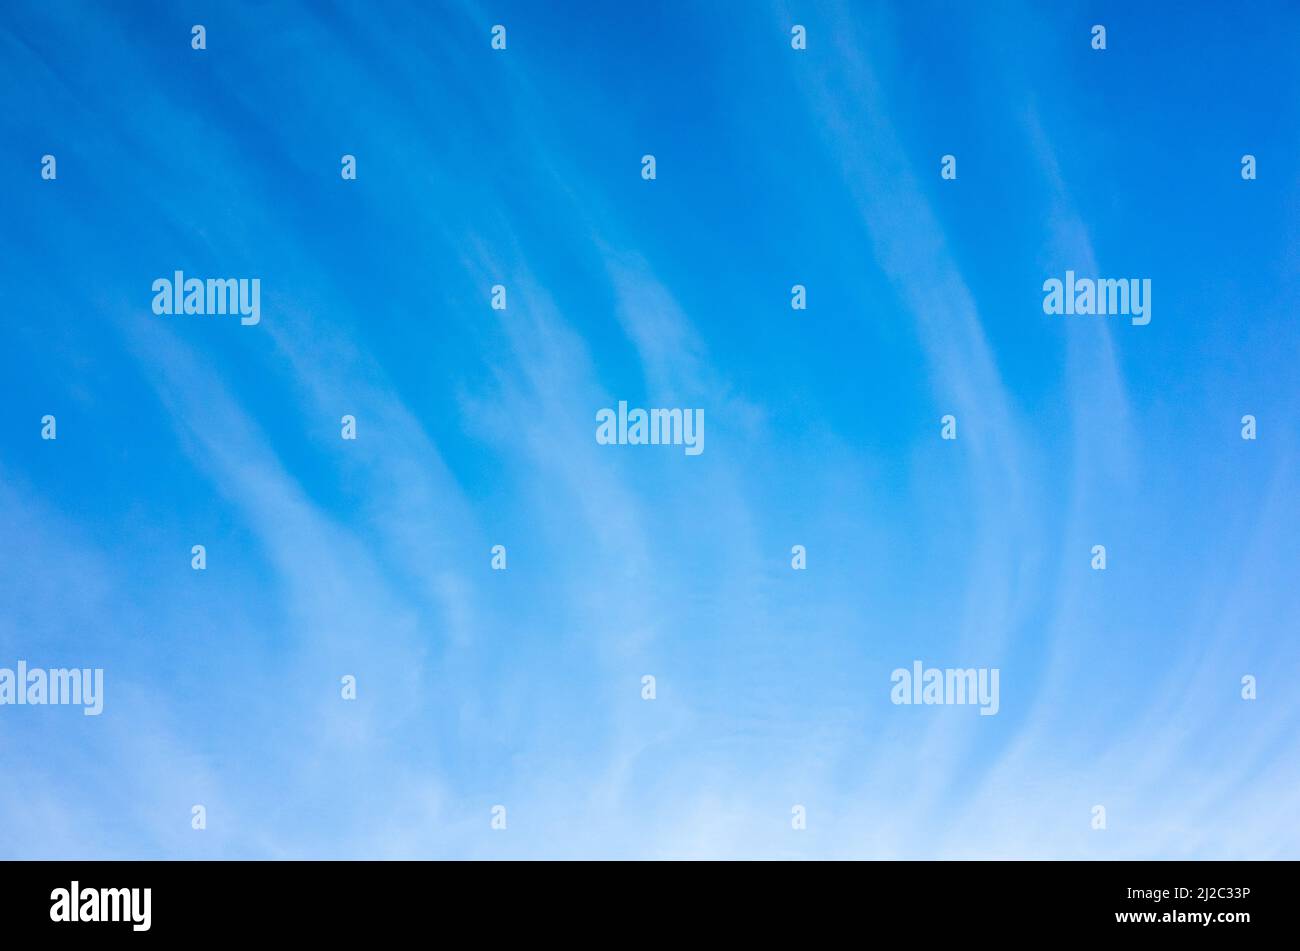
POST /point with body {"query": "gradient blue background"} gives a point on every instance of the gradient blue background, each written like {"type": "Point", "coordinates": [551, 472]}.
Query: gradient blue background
{"type": "Point", "coordinates": [476, 428]}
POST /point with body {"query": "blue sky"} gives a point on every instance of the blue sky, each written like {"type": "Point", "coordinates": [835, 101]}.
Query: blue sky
{"type": "Point", "coordinates": [475, 428]}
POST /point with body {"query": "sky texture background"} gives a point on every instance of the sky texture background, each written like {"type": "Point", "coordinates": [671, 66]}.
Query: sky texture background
{"type": "Point", "coordinates": [476, 427]}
